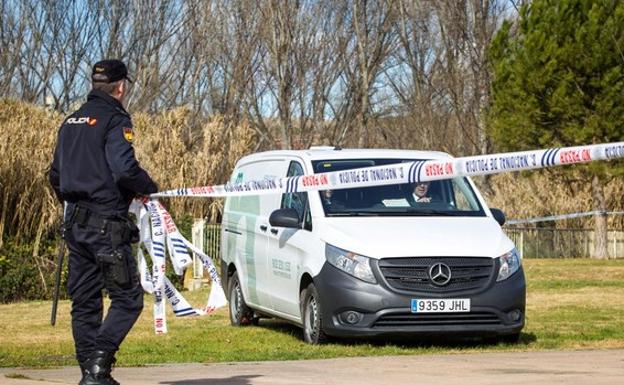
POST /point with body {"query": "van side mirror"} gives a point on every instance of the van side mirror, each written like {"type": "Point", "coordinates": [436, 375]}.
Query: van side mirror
{"type": "Point", "coordinates": [499, 216]}
{"type": "Point", "coordinates": [285, 218]}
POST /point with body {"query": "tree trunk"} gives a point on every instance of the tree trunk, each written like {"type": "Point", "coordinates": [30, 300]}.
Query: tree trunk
{"type": "Point", "coordinates": [600, 224]}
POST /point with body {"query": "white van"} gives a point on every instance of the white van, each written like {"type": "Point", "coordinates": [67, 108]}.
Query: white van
{"type": "Point", "coordinates": [374, 261]}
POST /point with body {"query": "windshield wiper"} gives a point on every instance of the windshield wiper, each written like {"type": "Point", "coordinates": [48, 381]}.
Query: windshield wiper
{"type": "Point", "coordinates": [426, 212]}
{"type": "Point", "coordinates": [407, 211]}
{"type": "Point", "coordinates": [355, 214]}
{"type": "Point", "coordinates": [412, 211]}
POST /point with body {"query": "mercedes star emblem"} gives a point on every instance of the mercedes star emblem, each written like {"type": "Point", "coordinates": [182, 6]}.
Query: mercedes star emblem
{"type": "Point", "coordinates": [440, 274]}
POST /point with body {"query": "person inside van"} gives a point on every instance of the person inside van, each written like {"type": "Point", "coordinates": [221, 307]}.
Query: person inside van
{"type": "Point", "coordinates": [411, 195]}
{"type": "Point", "coordinates": [420, 192]}
{"type": "Point", "coordinates": [330, 203]}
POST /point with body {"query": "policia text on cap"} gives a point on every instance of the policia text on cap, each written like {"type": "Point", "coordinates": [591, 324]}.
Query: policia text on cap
{"type": "Point", "coordinates": [96, 173]}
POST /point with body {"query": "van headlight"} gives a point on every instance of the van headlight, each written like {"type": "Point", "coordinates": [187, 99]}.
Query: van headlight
{"type": "Point", "coordinates": [509, 263]}
{"type": "Point", "coordinates": [351, 263]}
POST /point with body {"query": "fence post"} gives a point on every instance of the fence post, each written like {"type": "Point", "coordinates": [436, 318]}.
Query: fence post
{"type": "Point", "coordinates": [197, 238]}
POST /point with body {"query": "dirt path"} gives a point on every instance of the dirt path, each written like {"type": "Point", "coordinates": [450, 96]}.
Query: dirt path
{"type": "Point", "coordinates": [558, 367]}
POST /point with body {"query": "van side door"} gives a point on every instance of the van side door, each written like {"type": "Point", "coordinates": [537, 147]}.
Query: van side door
{"type": "Point", "coordinates": [246, 223]}
{"type": "Point", "coordinates": [287, 248]}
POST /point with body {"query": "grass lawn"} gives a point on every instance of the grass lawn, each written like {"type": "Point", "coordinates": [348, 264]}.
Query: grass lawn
{"type": "Point", "coordinates": [574, 303]}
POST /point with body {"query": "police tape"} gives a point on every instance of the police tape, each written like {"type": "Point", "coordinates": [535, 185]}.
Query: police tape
{"type": "Point", "coordinates": [159, 236]}
{"type": "Point", "coordinates": [552, 218]}
{"type": "Point", "coordinates": [410, 172]}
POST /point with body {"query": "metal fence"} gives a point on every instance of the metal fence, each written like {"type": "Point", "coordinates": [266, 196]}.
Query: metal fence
{"type": "Point", "coordinates": [536, 242]}
{"type": "Point", "coordinates": [207, 237]}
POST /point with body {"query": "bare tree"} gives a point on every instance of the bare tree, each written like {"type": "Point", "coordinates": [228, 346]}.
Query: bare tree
{"type": "Point", "coordinates": [413, 78]}
{"type": "Point", "coordinates": [368, 39]}
{"type": "Point", "coordinates": [299, 68]}
{"type": "Point", "coordinates": [467, 27]}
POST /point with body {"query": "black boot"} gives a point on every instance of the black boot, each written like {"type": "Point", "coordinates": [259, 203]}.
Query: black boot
{"type": "Point", "coordinates": [97, 369]}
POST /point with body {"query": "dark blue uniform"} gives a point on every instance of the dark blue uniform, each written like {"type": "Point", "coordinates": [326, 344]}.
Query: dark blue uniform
{"type": "Point", "coordinates": [96, 173]}
{"type": "Point", "coordinates": [94, 161]}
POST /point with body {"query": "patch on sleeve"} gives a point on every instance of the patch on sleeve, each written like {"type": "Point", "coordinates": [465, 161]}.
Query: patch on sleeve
{"type": "Point", "coordinates": [128, 134]}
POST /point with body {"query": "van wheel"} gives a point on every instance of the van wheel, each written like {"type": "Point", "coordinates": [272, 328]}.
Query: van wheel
{"type": "Point", "coordinates": [240, 313]}
{"type": "Point", "coordinates": [312, 316]}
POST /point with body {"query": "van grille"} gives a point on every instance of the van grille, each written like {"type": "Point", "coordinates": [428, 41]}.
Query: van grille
{"type": "Point", "coordinates": [412, 273]}
{"type": "Point", "coordinates": [436, 319]}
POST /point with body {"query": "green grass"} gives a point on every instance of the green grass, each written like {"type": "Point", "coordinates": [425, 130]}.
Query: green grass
{"type": "Point", "coordinates": [570, 304]}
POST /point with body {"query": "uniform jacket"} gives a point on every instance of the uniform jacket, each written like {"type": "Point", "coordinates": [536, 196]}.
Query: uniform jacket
{"type": "Point", "coordinates": [94, 163]}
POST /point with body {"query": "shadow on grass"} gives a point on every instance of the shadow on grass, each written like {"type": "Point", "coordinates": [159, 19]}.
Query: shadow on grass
{"type": "Point", "coordinates": [236, 380]}
{"type": "Point", "coordinates": [448, 341]}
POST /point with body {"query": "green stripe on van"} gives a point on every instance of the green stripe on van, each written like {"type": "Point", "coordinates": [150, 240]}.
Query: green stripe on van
{"type": "Point", "coordinates": [249, 205]}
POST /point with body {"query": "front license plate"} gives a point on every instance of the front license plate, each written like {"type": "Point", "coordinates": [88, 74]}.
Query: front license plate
{"type": "Point", "coordinates": [458, 305]}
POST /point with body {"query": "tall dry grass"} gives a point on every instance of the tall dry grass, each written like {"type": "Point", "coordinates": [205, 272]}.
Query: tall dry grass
{"type": "Point", "coordinates": [540, 193]}
{"type": "Point", "coordinates": [180, 152]}
{"type": "Point", "coordinates": [28, 135]}
{"type": "Point", "coordinates": [174, 148]}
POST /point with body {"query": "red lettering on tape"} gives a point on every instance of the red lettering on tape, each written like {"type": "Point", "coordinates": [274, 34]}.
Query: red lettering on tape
{"type": "Point", "coordinates": [169, 225]}
{"type": "Point", "coordinates": [434, 169]}
{"type": "Point", "coordinates": [202, 190]}
{"type": "Point", "coordinates": [314, 180]}
{"type": "Point", "coordinates": [570, 156]}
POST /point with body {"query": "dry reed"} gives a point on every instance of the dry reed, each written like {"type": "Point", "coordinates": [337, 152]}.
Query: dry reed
{"type": "Point", "coordinates": [541, 193]}
{"type": "Point", "coordinates": [175, 151]}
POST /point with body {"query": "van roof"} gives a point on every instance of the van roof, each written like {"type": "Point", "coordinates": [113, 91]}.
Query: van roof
{"type": "Point", "coordinates": [323, 153]}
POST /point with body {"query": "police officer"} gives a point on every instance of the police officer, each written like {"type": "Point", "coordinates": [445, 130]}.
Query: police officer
{"type": "Point", "coordinates": [96, 174]}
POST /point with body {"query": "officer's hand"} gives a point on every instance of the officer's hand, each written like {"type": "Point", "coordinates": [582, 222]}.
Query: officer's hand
{"type": "Point", "coordinates": [142, 198]}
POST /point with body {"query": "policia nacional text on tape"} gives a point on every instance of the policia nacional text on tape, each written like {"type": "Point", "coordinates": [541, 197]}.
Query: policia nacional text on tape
{"type": "Point", "coordinates": [160, 236]}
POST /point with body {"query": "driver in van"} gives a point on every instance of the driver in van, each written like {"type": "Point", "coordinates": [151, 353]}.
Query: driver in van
{"type": "Point", "coordinates": [330, 202]}
{"type": "Point", "coordinates": [420, 191]}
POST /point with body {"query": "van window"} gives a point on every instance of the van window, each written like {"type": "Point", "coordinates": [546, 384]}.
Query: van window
{"type": "Point", "coordinates": [256, 204]}
{"type": "Point", "coordinates": [298, 200]}
{"type": "Point", "coordinates": [449, 197]}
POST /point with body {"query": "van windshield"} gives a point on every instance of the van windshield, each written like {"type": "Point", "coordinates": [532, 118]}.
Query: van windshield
{"type": "Point", "coordinates": [448, 197]}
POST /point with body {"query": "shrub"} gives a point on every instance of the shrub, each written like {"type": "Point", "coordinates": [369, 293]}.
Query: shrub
{"type": "Point", "coordinates": [27, 277]}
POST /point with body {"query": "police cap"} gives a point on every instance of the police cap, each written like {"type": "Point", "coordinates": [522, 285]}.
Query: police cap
{"type": "Point", "coordinates": [108, 71]}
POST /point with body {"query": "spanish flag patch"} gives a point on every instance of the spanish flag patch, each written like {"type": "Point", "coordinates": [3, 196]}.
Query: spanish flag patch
{"type": "Point", "coordinates": [128, 134]}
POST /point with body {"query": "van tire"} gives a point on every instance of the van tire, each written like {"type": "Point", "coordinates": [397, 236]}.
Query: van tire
{"type": "Point", "coordinates": [311, 316]}
{"type": "Point", "coordinates": [240, 313]}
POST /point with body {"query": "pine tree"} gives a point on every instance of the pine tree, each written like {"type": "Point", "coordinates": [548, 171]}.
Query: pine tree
{"type": "Point", "coordinates": [559, 81]}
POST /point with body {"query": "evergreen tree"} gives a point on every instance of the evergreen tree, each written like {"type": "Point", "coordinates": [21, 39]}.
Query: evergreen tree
{"type": "Point", "coordinates": [559, 81]}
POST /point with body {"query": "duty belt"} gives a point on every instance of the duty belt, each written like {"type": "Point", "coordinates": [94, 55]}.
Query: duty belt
{"type": "Point", "coordinates": [121, 229]}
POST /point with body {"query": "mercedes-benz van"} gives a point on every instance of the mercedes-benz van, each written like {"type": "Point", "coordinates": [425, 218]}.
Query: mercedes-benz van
{"type": "Point", "coordinates": [385, 260]}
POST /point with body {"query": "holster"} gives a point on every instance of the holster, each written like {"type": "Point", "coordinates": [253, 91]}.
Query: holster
{"type": "Point", "coordinates": [123, 231]}
{"type": "Point", "coordinates": [115, 268]}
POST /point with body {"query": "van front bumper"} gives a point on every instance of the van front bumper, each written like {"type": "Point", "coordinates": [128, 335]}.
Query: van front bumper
{"type": "Point", "coordinates": [354, 308]}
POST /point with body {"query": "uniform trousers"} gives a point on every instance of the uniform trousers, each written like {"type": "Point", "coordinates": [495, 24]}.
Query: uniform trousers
{"type": "Point", "coordinates": [96, 262]}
